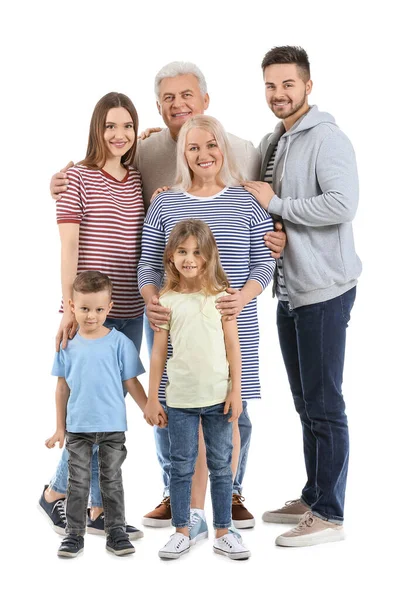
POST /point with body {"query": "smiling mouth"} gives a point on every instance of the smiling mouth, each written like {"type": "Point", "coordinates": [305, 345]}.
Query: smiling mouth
{"type": "Point", "coordinates": [118, 144]}
{"type": "Point", "coordinates": [181, 114]}
{"type": "Point", "coordinates": [206, 165]}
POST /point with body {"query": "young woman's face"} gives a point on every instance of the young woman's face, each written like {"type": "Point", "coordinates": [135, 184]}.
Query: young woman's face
{"type": "Point", "coordinates": [202, 154]}
{"type": "Point", "coordinates": [119, 134]}
{"type": "Point", "coordinates": [187, 259]}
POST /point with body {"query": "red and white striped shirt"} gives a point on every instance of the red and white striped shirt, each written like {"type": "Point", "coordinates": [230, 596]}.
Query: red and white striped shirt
{"type": "Point", "coordinates": [110, 214]}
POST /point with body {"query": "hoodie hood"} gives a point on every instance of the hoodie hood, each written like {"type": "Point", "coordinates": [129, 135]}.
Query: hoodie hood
{"type": "Point", "coordinates": [309, 120]}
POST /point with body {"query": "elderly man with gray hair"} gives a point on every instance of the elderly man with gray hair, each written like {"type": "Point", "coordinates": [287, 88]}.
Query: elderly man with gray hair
{"type": "Point", "coordinates": [181, 92]}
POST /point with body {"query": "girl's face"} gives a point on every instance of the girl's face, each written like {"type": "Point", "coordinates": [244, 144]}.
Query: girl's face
{"type": "Point", "coordinates": [119, 134]}
{"type": "Point", "coordinates": [188, 260]}
{"type": "Point", "coordinates": [202, 154]}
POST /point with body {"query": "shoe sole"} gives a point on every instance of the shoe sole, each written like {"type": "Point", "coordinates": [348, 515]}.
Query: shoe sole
{"type": "Point", "coordinates": [310, 540]}
{"type": "Point", "coordinates": [64, 554]}
{"type": "Point", "coordinates": [172, 555]}
{"type": "Point", "coordinates": [234, 556]}
{"type": "Point", "coordinates": [124, 552]}
{"type": "Point", "coordinates": [58, 530]}
{"type": "Point", "coordinates": [246, 524]}
{"type": "Point", "coordinates": [198, 538]}
{"type": "Point", "coordinates": [148, 522]}
{"type": "Point", "coordinates": [132, 536]}
{"type": "Point", "coordinates": [287, 519]}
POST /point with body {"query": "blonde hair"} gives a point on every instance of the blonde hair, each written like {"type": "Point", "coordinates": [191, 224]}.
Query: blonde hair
{"type": "Point", "coordinates": [229, 174]}
{"type": "Point", "coordinates": [213, 278]}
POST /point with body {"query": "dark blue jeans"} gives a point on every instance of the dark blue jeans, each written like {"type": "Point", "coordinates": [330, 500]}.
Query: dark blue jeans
{"type": "Point", "coordinates": [183, 436]}
{"type": "Point", "coordinates": [312, 341]}
{"type": "Point", "coordinates": [162, 437]}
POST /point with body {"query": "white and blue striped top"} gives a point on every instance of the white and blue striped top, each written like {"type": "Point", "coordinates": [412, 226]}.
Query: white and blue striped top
{"type": "Point", "coordinates": [238, 224]}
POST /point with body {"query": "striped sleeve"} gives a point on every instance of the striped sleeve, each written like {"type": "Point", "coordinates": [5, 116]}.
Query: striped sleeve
{"type": "Point", "coordinates": [262, 265]}
{"type": "Point", "coordinates": [150, 269]}
{"type": "Point", "coordinates": [69, 208]}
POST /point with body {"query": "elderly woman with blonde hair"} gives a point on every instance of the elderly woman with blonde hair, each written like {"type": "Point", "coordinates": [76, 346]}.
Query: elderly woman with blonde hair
{"type": "Point", "coordinates": [208, 187]}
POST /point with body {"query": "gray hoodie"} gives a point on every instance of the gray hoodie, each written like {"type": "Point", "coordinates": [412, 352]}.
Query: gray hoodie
{"type": "Point", "coordinates": [318, 199]}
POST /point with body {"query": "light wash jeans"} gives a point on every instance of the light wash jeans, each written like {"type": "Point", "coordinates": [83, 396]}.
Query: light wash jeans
{"type": "Point", "coordinates": [133, 329]}
{"type": "Point", "coordinates": [163, 444]}
{"type": "Point", "coordinates": [183, 435]}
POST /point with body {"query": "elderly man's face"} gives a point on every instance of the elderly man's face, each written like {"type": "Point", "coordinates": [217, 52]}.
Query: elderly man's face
{"type": "Point", "coordinates": [179, 99]}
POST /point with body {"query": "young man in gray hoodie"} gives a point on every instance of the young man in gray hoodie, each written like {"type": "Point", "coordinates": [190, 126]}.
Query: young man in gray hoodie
{"type": "Point", "coordinates": [309, 181]}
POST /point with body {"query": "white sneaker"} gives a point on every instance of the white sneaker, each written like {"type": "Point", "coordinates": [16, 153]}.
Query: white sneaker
{"type": "Point", "coordinates": [177, 545]}
{"type": "Point", "coordinates": [232, 546]}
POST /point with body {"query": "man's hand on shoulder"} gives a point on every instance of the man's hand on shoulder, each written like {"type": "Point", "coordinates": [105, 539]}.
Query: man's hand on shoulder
{"type": "Point", "coordinates": [148, 132]}
{"type": "Point", "coordinates": [59, 182]}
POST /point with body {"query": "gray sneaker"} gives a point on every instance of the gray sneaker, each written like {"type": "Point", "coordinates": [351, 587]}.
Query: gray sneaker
{"type": "Point", "coordinates": [291, 512]}
{"type": "Point", "coordinates": [311, 530]}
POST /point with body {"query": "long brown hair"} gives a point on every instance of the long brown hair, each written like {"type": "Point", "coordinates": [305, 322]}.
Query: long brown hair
{"type": "Point", "coordinates": [213, 278]}
{"type": "Point", "coordinates": [96, 149]}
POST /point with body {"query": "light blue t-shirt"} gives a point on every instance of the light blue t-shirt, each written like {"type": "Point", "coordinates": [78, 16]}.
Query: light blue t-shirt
{"type": "Point", "coordinates": [94, 371]}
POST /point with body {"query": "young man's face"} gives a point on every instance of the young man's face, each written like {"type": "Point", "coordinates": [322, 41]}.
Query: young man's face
{"type": "Point", "coordinates": [179, 99]}
{"type": "Point", "coordinates": [286, 92]}
{"type": "Point", "coordinates": [91, 310]}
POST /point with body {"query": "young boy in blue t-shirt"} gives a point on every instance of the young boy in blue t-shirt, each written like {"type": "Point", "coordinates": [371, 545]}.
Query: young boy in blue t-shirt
{"type": "Point", "coordinates": [90, 409]}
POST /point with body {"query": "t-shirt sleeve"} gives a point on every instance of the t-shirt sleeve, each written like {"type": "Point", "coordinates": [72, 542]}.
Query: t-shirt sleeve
{"type": "Point", "coordinates": [165, 302]}
{"type": "Point", "coordinates": [58, 368]}
{"type": "Point", "coordinates": [130, 363]}
{"type": "Point", "coordinates": [70, 207]}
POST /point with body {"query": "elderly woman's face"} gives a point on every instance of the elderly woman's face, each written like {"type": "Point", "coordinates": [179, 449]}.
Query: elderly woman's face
{"type": "Point", "coordinates": [202, 154]}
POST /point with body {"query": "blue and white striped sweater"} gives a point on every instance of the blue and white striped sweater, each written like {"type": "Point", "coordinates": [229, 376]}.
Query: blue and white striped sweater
{"type": "Point", "coordinates": [238, 224]}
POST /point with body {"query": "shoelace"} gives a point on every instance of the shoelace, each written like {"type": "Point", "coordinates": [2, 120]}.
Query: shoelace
{"type": "Point", "coordinates": [119, 535]}
{"type": "Point", "coordinates": [238, 500]}
{"type": "Point", "coordinates": [60, 509]}
{"type": "Point", "coordinates": [306, 521]}
{"type": "Point", "coordinates": [166, 502]}
{"type": "Point", "coordinates": [194, 518]}
{"type": "Point", "coordinates": [291, 502]}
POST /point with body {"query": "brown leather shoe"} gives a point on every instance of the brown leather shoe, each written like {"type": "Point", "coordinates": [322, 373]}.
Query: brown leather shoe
{"type": "Point", "coordinates": [242, 518]}
{"type": "Point", "coordinates": [161, 516]}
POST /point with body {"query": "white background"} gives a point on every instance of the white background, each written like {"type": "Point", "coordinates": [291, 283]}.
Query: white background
{"type": "Point", "coordinates": [59, 59]}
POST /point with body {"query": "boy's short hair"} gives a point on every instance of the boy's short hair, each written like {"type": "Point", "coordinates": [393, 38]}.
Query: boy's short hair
{"type": "Point", "coordinates": [90, 282]}
{"type": "Point", "coordinates": [288, 55]}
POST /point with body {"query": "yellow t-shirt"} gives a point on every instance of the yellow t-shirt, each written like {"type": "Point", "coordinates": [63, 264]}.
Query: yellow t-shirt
{"type": "Point", "coordinates": [198, 370]}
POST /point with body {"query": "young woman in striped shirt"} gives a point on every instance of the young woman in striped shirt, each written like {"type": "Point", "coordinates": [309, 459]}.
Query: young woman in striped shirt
{"type": "Point", "coordinates": [100, 219]}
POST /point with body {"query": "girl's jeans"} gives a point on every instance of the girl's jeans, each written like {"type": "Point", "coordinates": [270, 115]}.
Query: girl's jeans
{"type": "Point", "coordinates": [183, 435]}
{"type": "Point", "coordinates": [133, 329]}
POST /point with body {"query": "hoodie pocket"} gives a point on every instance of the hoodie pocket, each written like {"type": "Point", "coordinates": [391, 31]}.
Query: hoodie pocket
{"type": "Point", "coordinates": [304, 270]}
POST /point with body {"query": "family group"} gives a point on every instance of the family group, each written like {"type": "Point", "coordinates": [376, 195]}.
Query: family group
{"type": "Point", "coordinates": [176, 233]}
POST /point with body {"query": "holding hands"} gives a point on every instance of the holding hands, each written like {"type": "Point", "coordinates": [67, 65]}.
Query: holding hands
{"type": "Point", "coordinates": [154, 413]}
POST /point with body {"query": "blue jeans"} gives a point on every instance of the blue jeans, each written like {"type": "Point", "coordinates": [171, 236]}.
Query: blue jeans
{"type": "Point", "coordinates": [312, 340]}
{"type": "Point", "coordinates": [163, 444]}
{"type": "Point", "coordinates": [183, 435]}
{"type": "Point", "coordinates": [133, 329]}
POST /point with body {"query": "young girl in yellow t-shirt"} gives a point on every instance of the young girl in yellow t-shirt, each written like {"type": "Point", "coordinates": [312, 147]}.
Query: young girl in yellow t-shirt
{"type": "Point", "coordinates": [204, 375]}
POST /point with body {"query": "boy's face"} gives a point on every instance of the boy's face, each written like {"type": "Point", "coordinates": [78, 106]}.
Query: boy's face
{"type": "Point", "coordinates": [91, 310]}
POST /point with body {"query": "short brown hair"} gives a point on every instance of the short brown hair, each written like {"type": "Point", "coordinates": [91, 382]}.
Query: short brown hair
{"type": "Point", "coordinates": [96, 149]}
{"type": "Point", "coordinates": [288, 55]}
{"type": "Point", "coordinates": [91, 282]}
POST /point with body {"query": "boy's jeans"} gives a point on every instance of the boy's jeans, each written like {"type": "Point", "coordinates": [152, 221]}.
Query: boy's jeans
{"type": "Point", "coordinates": [111, 453]}
{"type": "Point", "coordinates": [183, 435]}
{"type": "Point", "coordinates": [312, 341]}
{"type": "Point", "coordinates": [133, 329]}
{"type": "Point", "coordinates": [162, 437]}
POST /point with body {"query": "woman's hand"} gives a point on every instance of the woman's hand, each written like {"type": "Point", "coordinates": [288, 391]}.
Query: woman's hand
{"type": "Point", "coordinates": [67, 329]}
{"type": "Point", "coordinates": [154, 414]}
{"type": "Point", "coordinates": [58, 436]}
{"type": "Point", "coordinates": [156, 313]}
{"type": "Point", "coordinates": [231, 306]}
{"type": "Point", "coordinates": [233, 401]}
{"type": "Point", "coordinates": [59, 182]}
{"type": "Point", "coordinates": [158, 191]}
